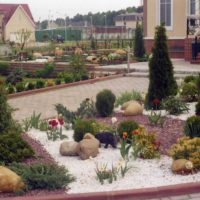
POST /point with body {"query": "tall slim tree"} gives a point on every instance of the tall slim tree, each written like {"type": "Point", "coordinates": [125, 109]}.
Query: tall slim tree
{"type": "Point", "coordinates": [162, 83]}
{"type": "Point", "coordinates": [139, 49]}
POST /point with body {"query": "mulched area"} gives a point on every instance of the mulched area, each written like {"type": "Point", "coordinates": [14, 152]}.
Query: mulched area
{"type": "Point", "coordinates": [168, 135]}
{"type": "Point", "coordinates": [41, 155]}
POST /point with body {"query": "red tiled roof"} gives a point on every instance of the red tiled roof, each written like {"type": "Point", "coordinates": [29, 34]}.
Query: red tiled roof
{"type": "Point", "coordinates": [9, 9]}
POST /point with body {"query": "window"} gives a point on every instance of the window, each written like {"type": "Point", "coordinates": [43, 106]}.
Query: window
{"type": "Point", "coordinates": [166, 12]}
{"type": "Point", "coordinates": [192, 7]}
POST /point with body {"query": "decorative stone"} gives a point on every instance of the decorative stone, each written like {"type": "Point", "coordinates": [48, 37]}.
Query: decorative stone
{"type": "Point", "coordinates": [69, 148]}
{"type": "Point", "coordinates": [88, 136]}
{"type": "Point", "coordinates": [88, 147]}
{"type": "Point", "coordinates": [59, 52]}
{"type": "Point", "coordinates": [133, 108]}
{"type": "Point", "coordinates": [10, 181]}
{"type": "Point", "coordinates": [37, 55]}
{"type": "Point", "coordinates": [91, 59]}
{"type": "Point", "coordinates": [182, 166]}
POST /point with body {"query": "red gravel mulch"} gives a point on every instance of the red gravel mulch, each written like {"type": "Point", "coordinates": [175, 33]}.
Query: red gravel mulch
{"type": "Point", "coordinates": [168, 135]}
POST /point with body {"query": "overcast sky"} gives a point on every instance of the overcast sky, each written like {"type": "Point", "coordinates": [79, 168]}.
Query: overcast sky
{"type": "Point", "coordinates": [41, 9]}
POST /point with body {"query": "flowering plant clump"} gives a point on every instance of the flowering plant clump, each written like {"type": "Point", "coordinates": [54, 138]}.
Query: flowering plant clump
{"type": "Point", "coordinates": [187, 148]}
{"type": "Point", "coordinates": [54, 131]}
{"type": "Point", "coordinates": [145, 144]}
{"type": "Point", "coordinates": [156, 103]}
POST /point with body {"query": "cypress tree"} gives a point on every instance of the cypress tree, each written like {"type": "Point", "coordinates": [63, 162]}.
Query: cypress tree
{"type": "Point", "coordinates": [139, 49]}
{"type": "Point", "coordinates": [162, 83]}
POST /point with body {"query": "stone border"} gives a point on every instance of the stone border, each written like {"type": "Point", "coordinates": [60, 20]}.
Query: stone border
{"type": "Point", "coordinates": [134, 194]}
{"type": "Point", "coordinates": [56, 87]}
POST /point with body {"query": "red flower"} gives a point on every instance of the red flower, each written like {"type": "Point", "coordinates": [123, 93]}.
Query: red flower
{"type": "Point", "coordinates": [135, 132]}
{"type": "Point", "coordinates": [156, 101]}
{"type": "Point", "coordinates": [156, 144]}
{"type": "Point", "coordinates": [125, 135]}
{"type": "Point", "coordinates": [61, 121]}
{"type": "Point", "coordinates": [53, 123]}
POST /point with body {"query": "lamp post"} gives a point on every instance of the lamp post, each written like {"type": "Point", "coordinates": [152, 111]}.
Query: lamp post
{"type": "Point", "coordinates": [91, 25]}
{"type": "Point", "coordinates": [65, 27]}
{"type": "Point", "coordinates": [105, 26]}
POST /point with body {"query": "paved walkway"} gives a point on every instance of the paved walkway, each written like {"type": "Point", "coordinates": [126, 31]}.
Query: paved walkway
{"type": "Point", "coordinates": [71, 97]}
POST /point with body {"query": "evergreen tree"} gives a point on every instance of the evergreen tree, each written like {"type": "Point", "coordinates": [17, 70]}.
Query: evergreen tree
{"type": "Point", "coordinates": [139, 50]}
{"type": "Point", "coordinates": [162, 83]}
{"type": "Point", "coordinates": [5, 111]}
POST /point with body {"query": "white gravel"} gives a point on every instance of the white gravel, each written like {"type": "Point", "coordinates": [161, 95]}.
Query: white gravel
{"type": "Point", "coordinates": [143, 174]}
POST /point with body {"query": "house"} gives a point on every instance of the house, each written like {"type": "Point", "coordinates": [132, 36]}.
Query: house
{"type": "Point", "coordinates": [15, 18]}
{"type": "Point", "coordinates": [128, 20]}
{"type": "Point", "coordinates": [182, 22]}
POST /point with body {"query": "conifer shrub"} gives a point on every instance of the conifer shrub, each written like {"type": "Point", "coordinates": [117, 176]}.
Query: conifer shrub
{"type": "Point", "coordinates": [105, 101]}
{"type": "Point", "coordinates": [162, 83]}
{"type": "Point", "coordinates": [192, 127]}
{"type": "Point", "coordinates": [139, 50]}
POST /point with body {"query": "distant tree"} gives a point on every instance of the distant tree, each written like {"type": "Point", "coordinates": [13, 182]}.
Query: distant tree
{"type": "Point", "coordinates": [162, 83]}
{"type": "Point", "coordinates": [139, 49]}
{"type": "Point", "coordinates": [22, 37]}
{"type": "Point", "coordinates": [44, 24]}
{"type": "Point", "coordinates": [139, 9]}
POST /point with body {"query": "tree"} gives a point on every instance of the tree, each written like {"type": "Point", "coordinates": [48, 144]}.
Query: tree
{"type": "Point", "coordinates": [22, 37]}
{"type": "Point", "coordinates": [162, 83]}
{"type": "Point", "coordinates": [139, 49]}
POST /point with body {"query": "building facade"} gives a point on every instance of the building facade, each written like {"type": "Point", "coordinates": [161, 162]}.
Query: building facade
{"type": "Point", "coordinates": [181, 19]}
{"type": "Point", "coordinates": [16, 18]}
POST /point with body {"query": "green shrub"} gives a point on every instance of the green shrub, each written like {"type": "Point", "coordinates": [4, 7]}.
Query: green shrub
{"type": "Point", "coordinates": [83, 126]}
{"type": "Point", "coordinates": [174, 105]}
{"type": "Point", "coordinates": [46, 72]}
{"type": "Point", "coordinates": [127, 126]}
{"type": "Point", "coordinates": [13, 148]}
{"type": "Point", "coordinates": [127, 96]}
{"type": "Point", "coordinates": [189, 92]}
{"type": "Point", "coordinates": [15, 76]}
{"type": "Point", "coordinates": [58, 81]}
{"type": "Point", "coordinates": [84, 77]}
{"type": "Point", "coordinates": [68, 78]}
{"type": "Point", "coordinates": [30, 86]}
{"type": "Point", "coordinates": [198, 84]}
{"type": "Point", "coordinates": [20, 87]}
{"type": "Point", "coordinates": [190, 78]}
{"type": "Point", "coordinates": [105, 102]}
{"type": "Point", "coordinates": [5, 111]}
{"type": "Point", "coordinates": [192, 127]}
{"type": "Point", "coordinates": [40, 84]}
{"type": "Point", "coordinates": [43, 176]}
{"type": "Point", "coordinates": [77, 77]}
{"type": "Point", "coordinates": [197, 108]}
{"type": "Point", "coordinates": [4, 68]}
{"type": "Point", "coordinates": [10, 89]}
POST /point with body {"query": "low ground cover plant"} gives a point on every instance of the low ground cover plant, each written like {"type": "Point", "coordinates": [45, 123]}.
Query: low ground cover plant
{"type": "Point", "coordinates": [192, 127]}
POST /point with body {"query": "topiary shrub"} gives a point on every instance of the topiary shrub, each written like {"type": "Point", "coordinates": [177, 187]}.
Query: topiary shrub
{"type": "Point", "coordinates": [5, 111]}
{"type": "Point", "coordinates": [68, 78]}
{"type": "Point", "coordinates": [162, 82]}
{"type": "Point", "coordinates": [189, 92]}
{"type": "Point", "coordinates": [43, 176]}
{"type": "Point", "coordinates": [13, 148]}
{"type": "Point", "coordinates": [127, 126]}
{"type": "Point", "coordinates": [197, 108]}
{"type": "Point", "coordinates": [39, 84]}
{"type": "Point", "coordinates": [192, 127]}
{"type": "Point", "coordinates": [83, 126]}
{"type": "Point", "coordinates": [105, 101]}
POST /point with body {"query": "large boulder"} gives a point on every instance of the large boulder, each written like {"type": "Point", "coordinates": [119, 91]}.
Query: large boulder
{"type": "Point", "coordinates": [10, 181]}
{"type": "Point", "coordinates": [182, 166]}
{"type": "Point", "coordinates": [88, 147]}
{"type": "Point", "coordinates": [133, 108]}
{"type": "Point", "coordinates": [69, 148]}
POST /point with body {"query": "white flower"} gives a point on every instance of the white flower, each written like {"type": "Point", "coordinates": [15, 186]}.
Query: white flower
{"type": "Point", "coordinates": [114, 120]}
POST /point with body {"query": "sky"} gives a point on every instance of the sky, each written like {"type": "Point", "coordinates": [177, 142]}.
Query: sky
{"type": "Point", "coordinates": [44, 9]}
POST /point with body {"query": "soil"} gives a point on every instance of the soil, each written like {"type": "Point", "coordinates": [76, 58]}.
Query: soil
{"type": "Point", "coordinates": [168, 135]}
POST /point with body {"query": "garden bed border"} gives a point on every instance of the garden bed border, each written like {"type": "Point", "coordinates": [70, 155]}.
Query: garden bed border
{"type": "Point", "coordinates": [134, 194]}
{"type": "Point", "coordinates": [65, 85]}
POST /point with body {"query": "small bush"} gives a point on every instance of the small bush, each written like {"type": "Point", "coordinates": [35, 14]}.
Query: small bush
{"type": "Point", "coordinates": [127, 96]}
{"type": "Point", "coordinates": [197, 108]}
{"type": "Point", "coordinates": [127, 126]}
{"type": "Point", "coordinates": [81, 127]}
{"type": "Point", "coordinates": [190, 78]}
{"type": "Point", "coordinates": [58, 81]}
{"type": "Point", "coordinates": [84, 77]}
{"type": "Point", "coordinates": [39, 84]}
{"type": "Point", "coordinates": [189, 92]}
{"type": "Point", "coordinates": [15, 76]}
{"type": "Point", "coordinates": [77, 77]}
{"type": "Point", "coordinates": [105, 102]}
{"type": "Point", "coordinates": [20, 87]}
{"type": "Point", "coordinates": [50, 83]}
{"type": "Point", "coordinates": [187, 148]}
{"type": "Point", "coordinates": [192, 127]}
{"type": "Point", "coordinates": [13, 148]}
{"type": "Point", "coordinates": [43, 176]}
{"type": "Point", "coordinates": [68, 78]}
{"type": "Point", "coordinates": [30, 86]}
{"type": "Point", "coordinates": [10, 89]}
{"type": "Point", "coordinates": [46, 72]}
{"type": "Point", "coordinates": [174, 105]}
{"type": "Point", "coordinates": [4, 68]}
